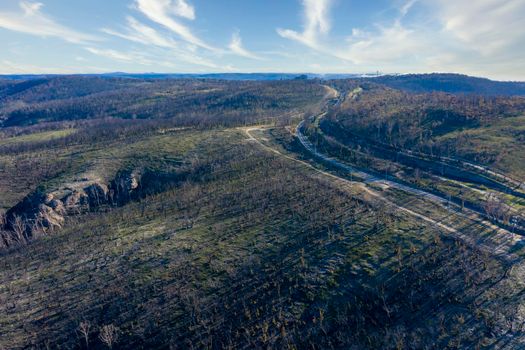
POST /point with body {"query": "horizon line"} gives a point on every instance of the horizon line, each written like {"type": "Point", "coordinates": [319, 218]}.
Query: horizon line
{"type": "Point", "coordinates": [356, 75]}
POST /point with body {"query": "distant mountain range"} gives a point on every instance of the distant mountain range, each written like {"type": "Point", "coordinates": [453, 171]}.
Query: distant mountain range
{"type": "Point", "coordinates": [218, 76]}
{"type": "Point", "coordinates": [419, 83]}
{"type": "Point", "coordinates": [451, 83]}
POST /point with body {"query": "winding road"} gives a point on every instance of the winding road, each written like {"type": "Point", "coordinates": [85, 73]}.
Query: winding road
{"type": "Point", "coordinates": [363, 179]}
{"type": "Point", "coordinates": [335, 98]}
{"type": "Point", "coordinates": [367, 177]}
{"type": "Point", "coordinates": [505, 239]}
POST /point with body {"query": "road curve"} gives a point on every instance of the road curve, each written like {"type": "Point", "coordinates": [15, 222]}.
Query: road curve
{"type": "Point", "coordinates": [367, 177]}
{"type": "Point", "coordinates": [504, 237]}
{"type": "Point", "coordinates": [371, 178]}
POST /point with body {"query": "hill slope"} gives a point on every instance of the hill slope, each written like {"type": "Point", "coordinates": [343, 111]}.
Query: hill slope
{"type": "Point", "coordinates": [245, 248]}
{"type": "Point", "coordinates": [207, 224]}
{"type": "Point", "coordinates": [452, 83]}
{"type": "Point", "coordinates": [29, 102]}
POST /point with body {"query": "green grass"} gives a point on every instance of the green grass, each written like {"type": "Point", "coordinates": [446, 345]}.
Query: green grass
{"type": "Point", "coordinates": [499, 145]}
{"type": "Point", "coordinates": [248, 252]}
{"type": "Point", "coordinates": [445, 187]}
{"type": "Point", "coordinates": [35, 137]}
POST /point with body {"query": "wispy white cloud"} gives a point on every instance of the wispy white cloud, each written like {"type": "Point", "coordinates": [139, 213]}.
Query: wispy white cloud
{"type": "Point", "coordinates": [316, 23]}
{"type": "Point", "coordinates": [171, 50]}
{"type": "Point", "coordinates": [164, 58]}
{"type": "Point", "coordinates": [473, 37]}
{"type": "Point", "coordinates": [482, 37]}
{"type": "Point", "coordinates": [484, 25]}
{"type": "Point", "coordinates": [405, 8]}
{"type": "Point", "coordinates": [31, 20]}
{"type": "Point", "coordinates": [163, 11]}
{"type": "Point", "coordinates": [112, 54]}
{"type": "Point", "coordinates": [182, 9]}
{"type": "Point", "coordinates": [143, 34]}
{"type": "Point", "coordinates": [237, 48]}
{"type": "Point", "coordinates": [386, 45]}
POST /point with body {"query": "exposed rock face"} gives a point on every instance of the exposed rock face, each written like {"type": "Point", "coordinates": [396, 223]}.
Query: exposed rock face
{"type": "Point", "coordinates": [76, 202]}
{"type": "Point", "coordinates": [39, 212]}
{"type": "Point", "coordinates": [51, 213]}
{"type": "Point", "coordinates": [97, 193]}
{"type": "Point", "coordinates": [48, 218]}
{"type": "Point", "coordinates": [124, 185]}
{"type": "Point", "coordinates": [42, 211]}
{"type": "Point", "coordinates": [127, 182]}
{"type": "Point", "coordinates": [132, 182]}
{"type": "Point", "coordinates": [57, 206]}
{"type": "Point", "coordinates": [48, 198]}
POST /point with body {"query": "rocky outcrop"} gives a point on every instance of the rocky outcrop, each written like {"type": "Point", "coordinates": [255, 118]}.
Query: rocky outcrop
{"type": "Point", "coordinates": [76, 202]}
{"type": "Point", "coordinates": [58, 206]}
{"type": "Point", "coordinates": [97, 194]}
{"type": "Point", "coordinates": [41, 212]}
{"type": "Point", "coordinates": [47, 217]}
{"type": "Point", "coordinates": [127, 181]}
{"type": "Point", "coordinates": [124, 186]}
{"type": "Point", "coordinates": [132, 181]}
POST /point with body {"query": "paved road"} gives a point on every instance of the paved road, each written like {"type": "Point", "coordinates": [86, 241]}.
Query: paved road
{"type": "Point", "coordinates": [504, 237]}
{"type": "Point", "coordinates": [366, 177]}
{"type": "Point", "coordinates": [371, 178]}
{"type": "Point", "coordinates": [362, 185]}
{"type": "Point", "coordinates": [503, 240]}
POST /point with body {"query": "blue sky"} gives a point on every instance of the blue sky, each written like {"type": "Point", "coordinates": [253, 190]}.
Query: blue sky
{"type": "Point", "coordinates": [476, 37]}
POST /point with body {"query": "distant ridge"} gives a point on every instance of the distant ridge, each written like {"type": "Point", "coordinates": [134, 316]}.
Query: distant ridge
{"type": "Point", "coordinates": [418, 83]}
{"type": "Point", "coordinates": [451, 83]}
{"type": "Point", "coordinates": [218, 76]}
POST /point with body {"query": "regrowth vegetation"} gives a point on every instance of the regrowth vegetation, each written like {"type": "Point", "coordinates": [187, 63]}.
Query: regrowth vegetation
{"type": "Point", "coordinates": [184, 213]}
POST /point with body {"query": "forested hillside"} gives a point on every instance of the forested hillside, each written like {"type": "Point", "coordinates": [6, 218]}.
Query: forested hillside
{"type": "Point", "coordinates": [452, 83]}
{"type": "Point", "coordinates": [188, 102]}
{"type": "Point", "coordinates": [301, 214]}
{"type": "Point", "coordinates": [483, 129]}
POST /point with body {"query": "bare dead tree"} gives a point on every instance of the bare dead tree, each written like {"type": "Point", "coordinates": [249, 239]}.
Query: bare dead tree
{"type": "Point", "coordinates": [3, 219]}
{"type": "Point", "coordinates": [84, 329]}
{"type": "Point", "coordinates": [108, 335]}
{"type": "Point", "coordinates": [383, 297]}
{"type": "Point", "coordinates": [4, 236]}
{"type": "Point", "coordinates": [19, 229]}
{"type": "Point", "coordinates": [38, 229]}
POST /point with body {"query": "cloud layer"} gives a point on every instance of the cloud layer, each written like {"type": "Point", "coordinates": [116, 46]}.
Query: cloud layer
{"type": "Point", "coordinates": [451, 35]}
{"type": "Point", "coordinates": [482, 37]}
{"type": "Point", "coordinates": [164, 12]}
{"type": "Point", "coordinates": [31, 20]}
{"type": "Point", "coordinates": [316, 23]}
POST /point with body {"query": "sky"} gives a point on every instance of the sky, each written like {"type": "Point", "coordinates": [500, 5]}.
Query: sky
{"type": "Point", "coordinates": [476, 37]}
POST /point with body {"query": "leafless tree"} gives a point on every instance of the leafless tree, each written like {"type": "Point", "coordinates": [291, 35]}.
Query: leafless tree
{"type": "Point", "coordinates": [38, 229]}
{"type": "Point", "coordinates": [108, 335]}
{"type": "Point", "coordinates": [2, 218]}
{"type": "Point", "coordinates": [84, 329]}
{"type": "Point", "coordinates": [4, 236]}
{"type": "Point", "coordinates": [19, 229]}
{"type": "Point", "coordinates": [495, 209]}
{"type": "Point", "coordinates": [417, 175]}
{"type": "Point", "coordinates": [383, 297]}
